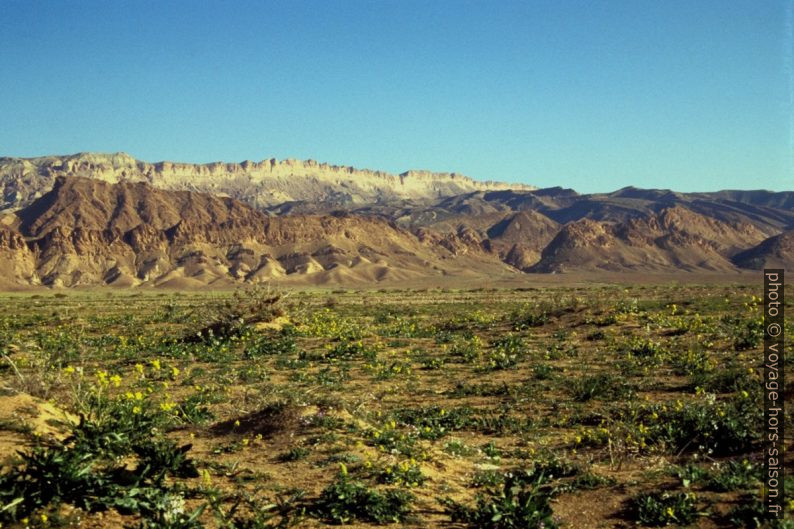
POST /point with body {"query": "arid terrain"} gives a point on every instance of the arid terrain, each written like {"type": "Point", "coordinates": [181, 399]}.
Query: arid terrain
{"type": "Point", "coordinates": [428, 265]}
{"type": "Point", "coordinates": [280, 344]}
{"type": "Point", "coordinates": [600, 406]}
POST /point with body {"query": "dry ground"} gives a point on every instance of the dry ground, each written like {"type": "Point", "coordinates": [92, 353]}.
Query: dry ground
{"type": "Point", "coordinates": [619, 406]}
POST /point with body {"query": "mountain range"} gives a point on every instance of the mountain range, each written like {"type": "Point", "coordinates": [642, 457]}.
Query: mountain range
{"type": "Point", "coordinates": [108, 219]}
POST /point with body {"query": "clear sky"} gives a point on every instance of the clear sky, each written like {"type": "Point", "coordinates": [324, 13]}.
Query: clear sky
{"type": "Point", "coordinates": [595, 95]}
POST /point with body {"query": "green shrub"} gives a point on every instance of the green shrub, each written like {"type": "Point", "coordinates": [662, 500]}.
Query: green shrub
{"type": "Point", "coordinates": [88, 471]}
{"type": "Point", "coordinates": [346, 500]}
{"type": "Point", "coordinates": [748, 335]}
{"type": "Point", "coordinates": [750, 513]}
{"type": "Point", "coordinates": [270, 346]}
{"type": "Point", "coordinates": [530, 318]}
{"type": "Point", "coordinates": [295, 453]}
{"type": "Point", "coordinates": [719, 428]}
{"type": "Point", "coordinates": [543, 371]}
{"type": "Point", "coordinates": [664, 508]}
{"type": "Point", "coordinates": [434, 422]}
{"type": "Point", "coordinates": [733, 475]}
{"type": "Point", "coordinates": [643, 347]}
{"type": "Point", "coordinates": [725, 381]}
{"type": "Point", "coordinates": [505, 352]}
{"type": "Point", "coordinates": [407, 473]}
{"type": "Point", "coordinates": [598, 386]}
{"type": "Point", "coordinates": [516, 504]}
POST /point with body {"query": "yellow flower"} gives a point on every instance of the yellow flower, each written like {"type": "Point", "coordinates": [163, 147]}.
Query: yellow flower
{"type": "Point", "coordinates": [138, 395]}
{"type": "Point", "coordinates": [68, 370]}
{"type": "Point", "coordinates": [343, 469]}
{"type": "Point", "coordinates": [43, 518]}
{"type": "Point", "coordinates": [139, 368]}
{"type": "Point", "coordinates": [155, 363]}
{"type": "Point", "coordinates": [236, 423]}
{"type": "Point", "coordinates": [174, 372]}
{"type": "Point", "coordinates": [136, 410]}
{"type": "Point", "coordinates": [116, 379]}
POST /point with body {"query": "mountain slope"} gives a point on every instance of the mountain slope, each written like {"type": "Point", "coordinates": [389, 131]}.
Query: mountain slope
{"type": "Point", "coordinates": [130, 222]}
{"type": "Point", "coordinates": [87, 232]}
{"type": "Point", "coordinates": [675, 238]}
{"type": "Point", "coordinates": [774, 252]}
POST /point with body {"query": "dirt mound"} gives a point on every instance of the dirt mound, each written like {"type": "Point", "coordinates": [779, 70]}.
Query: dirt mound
{"type": "Point", "coordinates": [24, 413]}
{"type": "Point", "coordinates": [274, 419]}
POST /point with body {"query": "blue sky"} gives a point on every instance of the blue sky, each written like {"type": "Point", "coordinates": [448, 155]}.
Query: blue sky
{"type": "Point", "coordinates": [689, 95]}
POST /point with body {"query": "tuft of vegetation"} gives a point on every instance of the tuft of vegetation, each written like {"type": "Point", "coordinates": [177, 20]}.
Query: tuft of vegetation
{"type": "Point", "coordinates": [229, 316]}
{"type": "Point", "coordinates": [347, 500]}
{"type": "Point", "coordinates": [658, 509]}
{"type": "Point", "coordinates": [517, 503]}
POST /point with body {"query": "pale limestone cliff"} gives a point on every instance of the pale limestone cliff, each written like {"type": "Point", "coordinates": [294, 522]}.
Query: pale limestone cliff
{"type": "Point", "coordinates": [260, 184]}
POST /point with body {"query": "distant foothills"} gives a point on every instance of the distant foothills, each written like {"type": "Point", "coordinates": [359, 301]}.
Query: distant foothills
{"type": "Point", "coordinates": [109, 219]}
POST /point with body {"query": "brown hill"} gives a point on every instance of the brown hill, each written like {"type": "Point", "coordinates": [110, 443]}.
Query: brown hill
{"type": "Point", "coordinates": [774, 252]}
{"type": "Point", "coordinates": [91, 232]}
{"type": "Point", "coordinates": [86, 232]}
{"type": "Point", "coordinates": [770, 212]}
{"type": "Point", "coordinates": [673, 239]}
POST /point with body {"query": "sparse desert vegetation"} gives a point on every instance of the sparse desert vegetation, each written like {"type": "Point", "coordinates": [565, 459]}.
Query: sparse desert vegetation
{"type": "Point", "coordinates": [579, 407]}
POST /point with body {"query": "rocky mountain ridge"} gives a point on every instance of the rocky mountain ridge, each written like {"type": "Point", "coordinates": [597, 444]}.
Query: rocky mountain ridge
{"type": "Point", "coordinates": [260, 184]}
{"type": "Point", "coordinates": [110, 219]}
{"type": "Point", "coordinates": [89, 232]}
